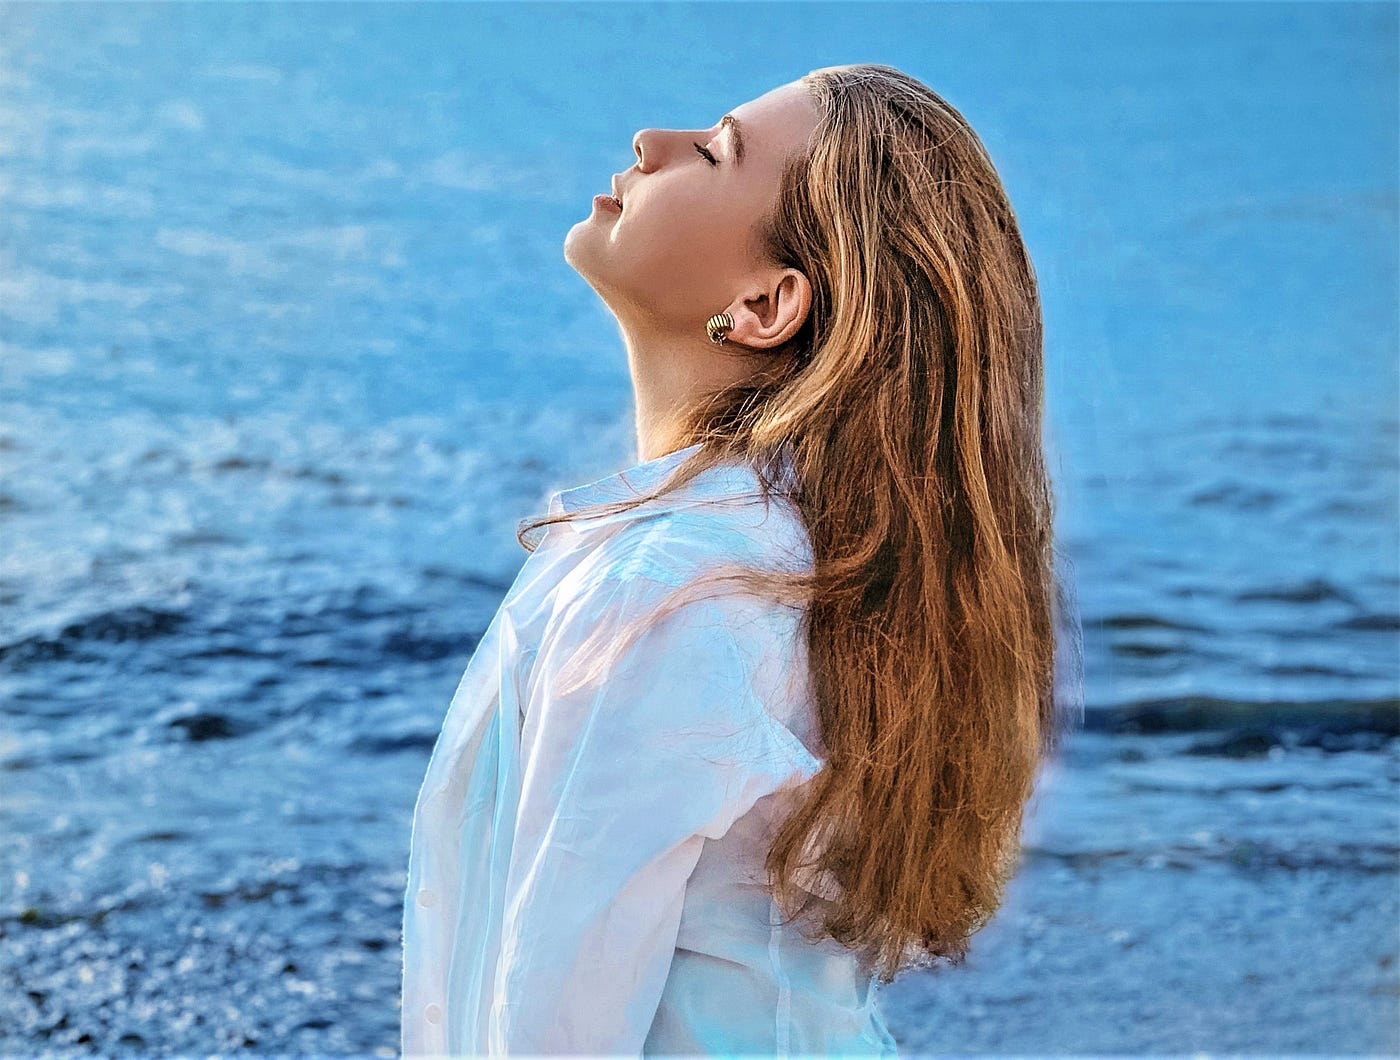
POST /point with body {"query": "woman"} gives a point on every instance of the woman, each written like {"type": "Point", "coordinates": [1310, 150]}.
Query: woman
{"type": "Point", "coordinates": [756, 723]}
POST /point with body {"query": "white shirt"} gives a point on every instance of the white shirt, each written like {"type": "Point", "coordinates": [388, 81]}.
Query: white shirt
{"type": "Point", "coordinates": [584, 863]}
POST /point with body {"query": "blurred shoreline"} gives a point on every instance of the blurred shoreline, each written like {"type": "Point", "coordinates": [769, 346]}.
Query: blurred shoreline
{"type": "Point", "coordinates": [1167, 904]}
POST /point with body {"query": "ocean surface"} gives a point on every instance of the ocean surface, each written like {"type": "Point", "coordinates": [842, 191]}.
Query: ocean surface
{"type": "Point", "coordinates": [288, 346]}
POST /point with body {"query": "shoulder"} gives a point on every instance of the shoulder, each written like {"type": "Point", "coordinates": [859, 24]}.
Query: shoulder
{"type": "Point", "coordinates": [627, 606]}
{"type": "Point", "coordinates": [662, 574]}
{"type": "Point", "coordinates": [677, 545]}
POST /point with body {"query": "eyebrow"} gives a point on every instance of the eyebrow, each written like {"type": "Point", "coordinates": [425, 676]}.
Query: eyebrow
{"type": "Point", "coordinates": [737, 132]}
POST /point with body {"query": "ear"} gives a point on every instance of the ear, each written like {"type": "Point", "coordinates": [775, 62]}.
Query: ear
{"type": "Point", "coordinates": [770, 315]}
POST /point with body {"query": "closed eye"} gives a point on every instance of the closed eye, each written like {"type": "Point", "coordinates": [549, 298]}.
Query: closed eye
{"type": "Point", "coordinates": [705, 153]}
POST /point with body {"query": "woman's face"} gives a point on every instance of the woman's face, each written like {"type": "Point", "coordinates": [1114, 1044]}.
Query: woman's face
{"type": "Point", "coordinates": [681, 247]}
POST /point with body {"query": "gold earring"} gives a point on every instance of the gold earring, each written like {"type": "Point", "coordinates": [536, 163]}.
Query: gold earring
{"type": "Point", "coordinates": [717, 325]}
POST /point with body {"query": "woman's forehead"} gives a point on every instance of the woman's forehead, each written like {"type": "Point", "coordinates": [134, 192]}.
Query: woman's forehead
{"type": "Point", "coordinates": [777, 121]}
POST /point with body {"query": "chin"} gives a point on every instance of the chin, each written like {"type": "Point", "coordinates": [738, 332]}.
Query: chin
{"type": "Point", "coordinates": [572, 239]}
{"type": "Point", "coordinates": [576, 255]}
{"type": "Point", "coordinates": [585, 256]}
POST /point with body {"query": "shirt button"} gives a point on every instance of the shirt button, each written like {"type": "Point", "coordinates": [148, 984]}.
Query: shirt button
{"type": "Point", "coordinates": [427, 897]}
{"type": "Point", "coordinates": [433, 1013]}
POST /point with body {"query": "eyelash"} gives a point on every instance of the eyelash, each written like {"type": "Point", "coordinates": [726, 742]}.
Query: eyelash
{"type": "Point", "coordinates": [706, 155]}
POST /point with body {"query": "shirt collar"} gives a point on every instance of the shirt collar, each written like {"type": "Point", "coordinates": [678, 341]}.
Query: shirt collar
{"type": "Point", "coordinates": [727, 480]}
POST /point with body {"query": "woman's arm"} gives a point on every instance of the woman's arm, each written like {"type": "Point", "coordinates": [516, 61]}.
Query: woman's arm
{"type": "Point", "coordinates": [623, 778]}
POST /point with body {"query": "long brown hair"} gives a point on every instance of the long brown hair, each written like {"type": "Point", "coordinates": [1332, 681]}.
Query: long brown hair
{"type": "Point", "coordinates": [909, 405]}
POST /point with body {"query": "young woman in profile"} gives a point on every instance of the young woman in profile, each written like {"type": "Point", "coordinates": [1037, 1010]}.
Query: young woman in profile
{"type": "Point", "coordinates": [756, 724]}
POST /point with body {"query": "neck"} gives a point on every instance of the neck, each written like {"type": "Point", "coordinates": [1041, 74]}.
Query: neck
{"type": "Point", "coordinates": [669, 376]}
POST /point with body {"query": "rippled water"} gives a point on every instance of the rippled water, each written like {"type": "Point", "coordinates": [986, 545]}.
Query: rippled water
{"type": "Point", "coordinates": [287, 346]}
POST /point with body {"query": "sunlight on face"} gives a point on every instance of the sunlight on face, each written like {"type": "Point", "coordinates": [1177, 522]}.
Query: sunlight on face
{"type": "Point", "coordinates": [680, 248]}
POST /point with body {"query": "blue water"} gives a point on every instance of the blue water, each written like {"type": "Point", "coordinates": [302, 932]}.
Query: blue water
{"type": "Point", "coordinates": [287, 346]}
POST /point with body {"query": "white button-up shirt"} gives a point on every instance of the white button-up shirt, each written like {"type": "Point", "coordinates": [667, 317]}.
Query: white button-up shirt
{"type": "Point", "coordinates": [585, 862]}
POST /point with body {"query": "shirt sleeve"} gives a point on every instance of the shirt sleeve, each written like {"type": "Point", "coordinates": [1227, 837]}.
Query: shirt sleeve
{"type": "Point", "coordinates": [623, 778]}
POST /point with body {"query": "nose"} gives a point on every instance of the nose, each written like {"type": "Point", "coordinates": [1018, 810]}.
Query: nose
{"type": "Point", "coordinates": [638, 141]}
{"type": "Point", "coordinates": [650, 145]}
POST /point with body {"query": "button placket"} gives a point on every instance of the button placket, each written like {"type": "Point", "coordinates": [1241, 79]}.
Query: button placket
{"type": "Point", "coordinates": [427, 898]}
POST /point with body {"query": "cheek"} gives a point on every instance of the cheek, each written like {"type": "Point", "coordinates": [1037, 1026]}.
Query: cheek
{"type": "Point", "coordinates": [683, 247]}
